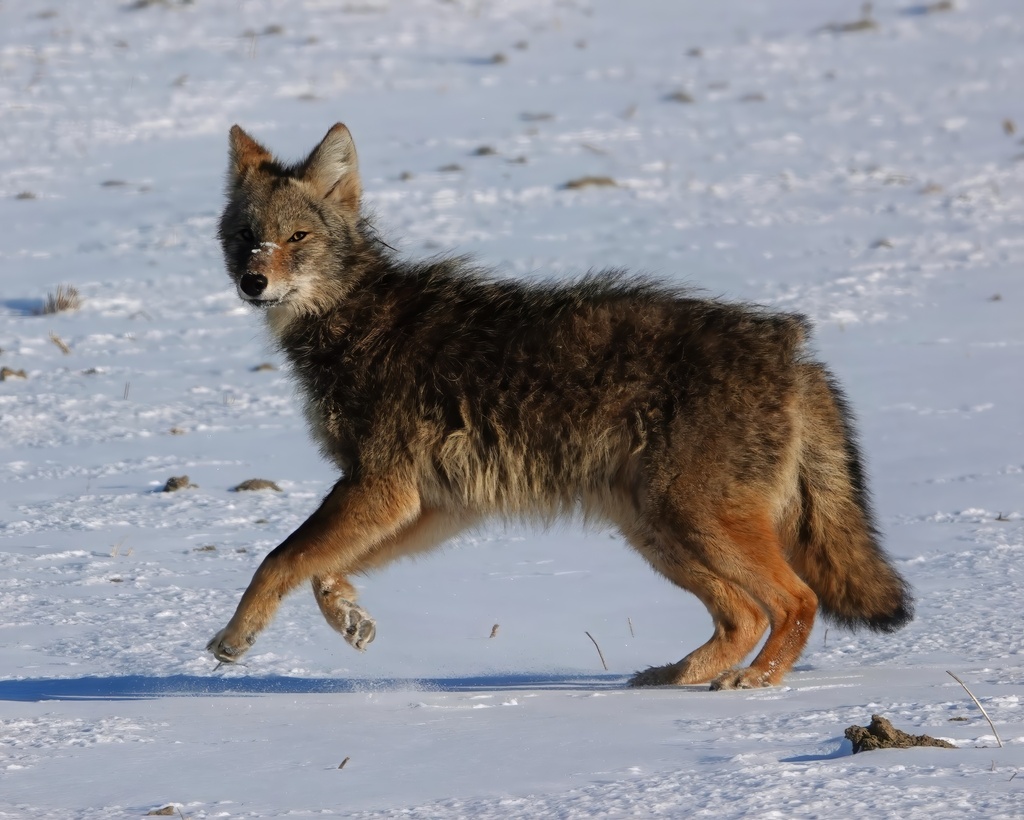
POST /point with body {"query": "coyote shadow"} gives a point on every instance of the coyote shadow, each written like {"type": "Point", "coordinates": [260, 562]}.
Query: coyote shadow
{"type": "Point", "coordinates": [144, 687]}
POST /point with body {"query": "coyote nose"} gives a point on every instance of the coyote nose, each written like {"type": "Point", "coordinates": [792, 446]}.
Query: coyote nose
{"type": "Point", "coordinates": [253, 284]}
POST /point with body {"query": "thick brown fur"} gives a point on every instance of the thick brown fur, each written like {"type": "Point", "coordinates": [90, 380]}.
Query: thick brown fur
{"type": "Point", "coordinates": [700, 429]}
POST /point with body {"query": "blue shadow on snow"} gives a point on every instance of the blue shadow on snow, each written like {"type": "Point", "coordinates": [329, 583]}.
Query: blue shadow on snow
{"type": "Point", "coordinates": [843, 749]}
{"type": "Point", "coordinates": [24, 307]}
{"type": "Point", "coordinates": [136, 687]}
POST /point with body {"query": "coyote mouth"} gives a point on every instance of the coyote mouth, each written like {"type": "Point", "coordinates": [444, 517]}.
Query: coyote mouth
{"type": "Point", "coordinates": [264, 304]}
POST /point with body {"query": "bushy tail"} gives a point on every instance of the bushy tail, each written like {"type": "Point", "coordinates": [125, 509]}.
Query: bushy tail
{"type": "Point", "coordinates": [836, 551]}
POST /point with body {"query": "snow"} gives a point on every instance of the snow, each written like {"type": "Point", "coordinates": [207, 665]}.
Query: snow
{"type": "Point", "coordinates": [869, 179]}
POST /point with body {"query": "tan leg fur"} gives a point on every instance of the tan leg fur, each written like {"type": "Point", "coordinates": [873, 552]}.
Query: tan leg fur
{"type": "Point", "coordinates": [354, 519]}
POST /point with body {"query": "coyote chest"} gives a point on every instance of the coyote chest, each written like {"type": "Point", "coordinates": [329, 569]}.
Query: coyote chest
{"type": "Point", "coordinates": [329, 433]}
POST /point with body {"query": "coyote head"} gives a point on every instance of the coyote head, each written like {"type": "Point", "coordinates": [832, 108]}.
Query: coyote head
{"type": "Point", "coordinates": [290, 233]}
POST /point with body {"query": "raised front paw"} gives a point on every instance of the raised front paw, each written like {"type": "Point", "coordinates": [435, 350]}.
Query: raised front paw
{"type": "Point", "coordinates": [352, 621]}
{"type": "Point", "coordinates": [228, 647]}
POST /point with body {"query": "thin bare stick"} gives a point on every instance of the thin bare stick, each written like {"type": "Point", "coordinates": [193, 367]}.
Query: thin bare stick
{"type": "Point", "coordinates": [978, 704]}
{"type": "Point", "coordinates": [346, 760]}
{"type": "Point", "coordinates": [600, 654]}
{"type": "Point", "coordinates": [630, 622]}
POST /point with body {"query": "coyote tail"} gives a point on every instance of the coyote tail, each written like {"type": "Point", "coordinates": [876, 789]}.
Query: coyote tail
{"type": "Point", "coordinates": [836, 550]}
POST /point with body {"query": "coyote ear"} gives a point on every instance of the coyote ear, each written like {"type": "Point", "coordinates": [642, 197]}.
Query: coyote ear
{"type": "Point", "coordinates": [333, 169]}
{"type": "Point", "coordinates": [245, 154]}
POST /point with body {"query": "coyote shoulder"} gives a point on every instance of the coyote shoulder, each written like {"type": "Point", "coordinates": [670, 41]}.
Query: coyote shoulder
{"type": "Point", "coordinates": [702, 430]}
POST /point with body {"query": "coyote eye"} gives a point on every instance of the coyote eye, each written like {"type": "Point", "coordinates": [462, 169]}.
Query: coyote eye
{"type": "Point", "coordinates": [298, 236]}
{"type": "Point", "coordinates": [246, 235]}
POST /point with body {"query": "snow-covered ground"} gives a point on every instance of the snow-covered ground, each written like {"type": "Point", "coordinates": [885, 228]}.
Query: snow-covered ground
{"type": "Point", "coordinates": [873, 179]}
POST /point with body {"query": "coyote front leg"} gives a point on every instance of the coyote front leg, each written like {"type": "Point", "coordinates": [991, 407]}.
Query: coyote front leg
{"type": "Point", "coordinates": [354, 518]}
{"type": "Point", "coordinates": [335, 594]}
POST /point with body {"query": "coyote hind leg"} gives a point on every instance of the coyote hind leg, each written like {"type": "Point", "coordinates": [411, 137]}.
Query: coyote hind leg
{"type": "Point", "coordinates": [734, 563]}
{"type": "Point", "coordinates": [754, 559]}
{"type": "Point", "coordinates": [739, 622]}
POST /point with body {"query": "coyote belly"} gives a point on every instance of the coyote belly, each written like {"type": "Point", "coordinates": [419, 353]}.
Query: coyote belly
{"type": "Point", "coordinates": [702, 430]}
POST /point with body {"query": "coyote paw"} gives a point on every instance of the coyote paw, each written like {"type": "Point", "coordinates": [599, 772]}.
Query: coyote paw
{"type": "Point", "coordinates": [352, 621]}
{"type": "Point", "coordinates": [748, 678]}
{"type": "Point", "coordinates": [227, 649]}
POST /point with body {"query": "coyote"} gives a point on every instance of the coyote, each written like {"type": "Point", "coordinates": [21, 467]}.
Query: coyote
{"type": "Point", "coordinates": [701, 430]}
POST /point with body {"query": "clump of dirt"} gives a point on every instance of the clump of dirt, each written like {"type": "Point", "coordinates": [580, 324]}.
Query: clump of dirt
{"type": "Point", "coordinates": [589, 182]}
{"type": "Point", "coordinates": [679, 97]}
{"type": "Point", "coordinates": [881, 734]}
{"type": "Point", "coordinates": [251, 484]}
{"type": "Point", "coordinates": [178, 482]}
